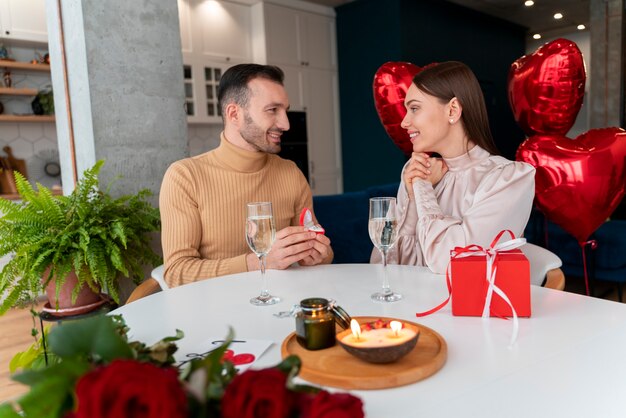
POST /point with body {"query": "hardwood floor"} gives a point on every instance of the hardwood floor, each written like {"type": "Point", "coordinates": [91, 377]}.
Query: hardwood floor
{"type": "Point", "coordinates": [16, 325]}
{"type": "Point", "coordinates": [15, 336]}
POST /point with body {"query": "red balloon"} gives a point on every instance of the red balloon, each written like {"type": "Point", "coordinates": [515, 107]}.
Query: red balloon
{"type": "Point", "coordinates": [391, 82]}
{"type": "Point", "coordinates": [546, 88]}
{"type": "Point", "coordinates": [579, 182]}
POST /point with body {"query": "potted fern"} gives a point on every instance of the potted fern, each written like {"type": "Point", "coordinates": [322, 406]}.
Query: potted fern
{"type": "Point", "coordinates": [88, 236]}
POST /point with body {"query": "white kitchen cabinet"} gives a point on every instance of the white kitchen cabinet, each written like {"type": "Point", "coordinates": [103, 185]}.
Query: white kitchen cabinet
{"type": "Point", "coordinates": [299, 38]}
{"type": "Point", "coordinates": [216, 30]}
{"type": "Point", "coordinates": [215, 35]}
{"type": "Point", "coordinates": [186, 35]}
{"type": "Point", "coordinates": [302, 43]}
{"type": "Point", "coordinates": [313, 91]}
{"type": "Point", "coordinates": [23, 20]}
{"type": "Point", "coordinates": [322, 108]}
{"type": "Point", "coordinates": [201, 81]}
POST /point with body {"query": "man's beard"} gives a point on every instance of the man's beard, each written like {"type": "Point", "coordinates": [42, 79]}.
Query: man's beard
{"type": "Point", "coordinates": [257, 137]}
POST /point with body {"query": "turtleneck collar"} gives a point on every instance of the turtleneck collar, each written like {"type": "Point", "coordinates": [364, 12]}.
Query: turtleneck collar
{"type": "Point", "coordinates": [239, 159]}
{"type": "Point", "coordinates": [466, 160]}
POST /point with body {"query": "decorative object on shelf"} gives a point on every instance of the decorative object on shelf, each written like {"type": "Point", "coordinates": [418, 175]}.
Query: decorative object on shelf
{"type": "Point", "coordinates": [8, 81]}
{"type": "Point", "coordinates": [96, 368]}
{"type": "Point", "coordinates": [4, 54]}
{"type": "Point", "coordinates": [43, 103]}
{"type": "Point", "coordinates": [13, 163]}
{"type": "Point", "coordinates": [41, 59]}
{"type": "Point", "coordinates": [99, 237]}
{"type": "Point", "coordinates": [44, 163]}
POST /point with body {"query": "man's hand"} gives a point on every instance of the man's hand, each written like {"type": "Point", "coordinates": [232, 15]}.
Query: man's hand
{"type": "Point", "coordinates": [319, 253]}
{"type": "Point", "coordinates": [292, 245]}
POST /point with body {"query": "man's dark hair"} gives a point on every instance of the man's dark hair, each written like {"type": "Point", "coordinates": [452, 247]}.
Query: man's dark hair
{"type": "Point", "coordinates": [233, 85]}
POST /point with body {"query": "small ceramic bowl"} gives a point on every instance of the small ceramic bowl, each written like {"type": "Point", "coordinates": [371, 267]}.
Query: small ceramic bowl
{"type": "Point", "coordinates": [387, 354]}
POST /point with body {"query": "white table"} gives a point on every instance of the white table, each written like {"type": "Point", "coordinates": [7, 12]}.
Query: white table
{"type": "Point", "coordinates": [569, 359]}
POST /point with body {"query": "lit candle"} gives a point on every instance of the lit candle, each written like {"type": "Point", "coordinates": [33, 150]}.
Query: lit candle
{"type": "Point", "coordinates": [381, 337]}
{"type": "Point", "coordinates": [396, 326]}
{"type": "Point", "coordinates": [356, 330]}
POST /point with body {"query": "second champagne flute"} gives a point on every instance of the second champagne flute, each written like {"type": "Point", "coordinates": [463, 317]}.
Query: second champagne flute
{"type": "Point", "coordinates": [383, 230]}
{"type": "Point", "coordinates": [260, 235]}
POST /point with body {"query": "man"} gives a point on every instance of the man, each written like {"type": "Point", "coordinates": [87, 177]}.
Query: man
{"type": "Point", "coordinates": [203, 198]}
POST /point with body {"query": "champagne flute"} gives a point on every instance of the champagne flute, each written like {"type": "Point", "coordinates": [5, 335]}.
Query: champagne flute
{"type": "Point", "coordinates": [260, 235]}
{"type": "Point", "coordinates": [383, 229]}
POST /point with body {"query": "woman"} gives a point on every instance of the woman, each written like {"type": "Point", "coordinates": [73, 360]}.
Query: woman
{"type": "Point", "coordinates": [470, 194]}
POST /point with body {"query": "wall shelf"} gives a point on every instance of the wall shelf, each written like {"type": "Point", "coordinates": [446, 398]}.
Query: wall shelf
{"type": "Point", "coordinates": [9, 91]}
{"type": "Point", "coordinates": [26, 118]}
{"type": "Point", "coordinates": [17, 65]}
{"type": "Point", "coordinates": [56, 191]}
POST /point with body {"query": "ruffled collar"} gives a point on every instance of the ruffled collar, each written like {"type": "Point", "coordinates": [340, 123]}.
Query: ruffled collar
{"type": "Point", "coordinates": [471, 158]}
{"type": "Point", "coordinates": [239, 159]}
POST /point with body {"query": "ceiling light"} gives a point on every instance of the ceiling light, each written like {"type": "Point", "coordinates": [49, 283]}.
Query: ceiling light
{"type": "Point", "coordinates": [558, 16]}
{"type": "Point", "coordinates": [529, 3]}
{"type": "Point", "coordinates": [581, 27]}
{"type": "Point", "coordinates": [536, 36]}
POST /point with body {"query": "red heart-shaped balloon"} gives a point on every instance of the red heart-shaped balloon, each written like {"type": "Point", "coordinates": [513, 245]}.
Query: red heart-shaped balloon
{"type": "Point", "coordinates": [546, 88]}
{"type": "Point", "coordinates": [391, 82]}
{"type": "Point", "coordinates": [579, 182]}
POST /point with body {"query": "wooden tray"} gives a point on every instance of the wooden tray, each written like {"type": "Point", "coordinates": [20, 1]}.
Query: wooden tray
{"type": "Point", "coordinates": [337, 368]}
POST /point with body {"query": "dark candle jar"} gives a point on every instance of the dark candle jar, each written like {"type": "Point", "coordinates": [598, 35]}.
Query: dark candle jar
{"type": "Point", "coordinates": [315, 323]}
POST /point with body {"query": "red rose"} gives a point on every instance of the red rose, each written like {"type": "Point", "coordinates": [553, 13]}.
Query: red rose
{"type": "Point", "coordinates": [327, 405]}
{"type": "Point", "coordinates": [257, 394]}
{"type": "Point", "coordinates": [128, 388]}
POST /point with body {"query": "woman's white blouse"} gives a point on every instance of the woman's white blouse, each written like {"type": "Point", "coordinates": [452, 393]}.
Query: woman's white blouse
{"type": "Point", "coordinates": [480, 195]}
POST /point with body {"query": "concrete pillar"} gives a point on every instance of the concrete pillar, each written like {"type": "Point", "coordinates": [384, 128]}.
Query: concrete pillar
{"type": "Point", "coordinates": [124, 65]}
{"type": "Point", "coordinates": [607, 72]}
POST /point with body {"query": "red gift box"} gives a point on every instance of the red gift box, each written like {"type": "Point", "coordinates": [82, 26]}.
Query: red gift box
{"type": "Point", "coordinates": [470, 284]}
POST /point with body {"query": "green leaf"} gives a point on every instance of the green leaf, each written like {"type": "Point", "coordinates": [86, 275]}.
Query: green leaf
{"type": "Point", "coordinates": [51, 388]}
{"type": "Point", "coordinates": [7, 411]}
{"type": "Point", "coordinates": [291, 366]}
{"type": "Point", "coordinates": [93, 337]}
{"type": "Point", "coordinates": [218, 374]}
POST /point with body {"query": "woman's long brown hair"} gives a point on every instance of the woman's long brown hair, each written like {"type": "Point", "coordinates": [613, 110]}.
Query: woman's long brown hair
{"type": "Point", "coordinates": [451, 79]}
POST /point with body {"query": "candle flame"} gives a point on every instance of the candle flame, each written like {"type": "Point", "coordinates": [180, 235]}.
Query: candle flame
{"type": "Point", "coordinates": [356, 329]}
{"type": "Point", "coordinates": [396, 326]}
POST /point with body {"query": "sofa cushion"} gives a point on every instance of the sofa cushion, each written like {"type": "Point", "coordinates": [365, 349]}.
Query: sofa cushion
{"type": "Point", "coordinates": [345, 217]}
{"type": "Point", "coordinates": [606, 262]}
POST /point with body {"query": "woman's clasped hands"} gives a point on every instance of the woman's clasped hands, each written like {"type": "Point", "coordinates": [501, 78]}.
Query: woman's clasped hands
{"type": "Point", "coordinates": [423, 167]}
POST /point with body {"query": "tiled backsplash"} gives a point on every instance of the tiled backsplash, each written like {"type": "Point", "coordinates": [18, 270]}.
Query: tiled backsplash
{"type": "Point", "coordinates": [37, 144]}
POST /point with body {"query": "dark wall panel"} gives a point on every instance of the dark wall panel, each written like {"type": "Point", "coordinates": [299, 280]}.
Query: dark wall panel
{"type": "Point", "coordinates": [367, 37]}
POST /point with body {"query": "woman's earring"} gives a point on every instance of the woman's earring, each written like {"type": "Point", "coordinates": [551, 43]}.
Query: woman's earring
{"type": "Point", "coordinates": [451, 121]}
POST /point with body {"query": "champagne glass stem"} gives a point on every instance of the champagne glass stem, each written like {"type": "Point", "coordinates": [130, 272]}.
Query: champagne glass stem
{"type": "Point", "coordinates": [386, 288]}
{"type": "Point", "coordinates": [264, 291]}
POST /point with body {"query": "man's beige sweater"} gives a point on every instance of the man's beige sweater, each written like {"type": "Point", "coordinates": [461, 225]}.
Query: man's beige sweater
{"type": "Point", "coordinates": [203, 208]}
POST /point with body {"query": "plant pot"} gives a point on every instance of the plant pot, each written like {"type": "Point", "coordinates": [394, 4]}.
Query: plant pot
{"type": "Point", "coordinates": [86, 296]}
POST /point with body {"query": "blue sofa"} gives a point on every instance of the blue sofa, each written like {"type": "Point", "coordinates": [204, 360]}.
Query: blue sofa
{"type": "Point", "coordinates": [345, 216]}
{"type": "Point", "coordinates": [607, 262]}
